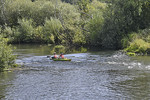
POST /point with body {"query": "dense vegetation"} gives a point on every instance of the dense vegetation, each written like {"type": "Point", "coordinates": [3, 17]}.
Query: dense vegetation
{"type": "Point", "coordinates": [108, 24]}
{"type": "Point", "coordinates": [7, 60]}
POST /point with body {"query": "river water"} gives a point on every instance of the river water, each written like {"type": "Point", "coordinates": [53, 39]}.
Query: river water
{"type": "Point", "coordinates": [91, 75]}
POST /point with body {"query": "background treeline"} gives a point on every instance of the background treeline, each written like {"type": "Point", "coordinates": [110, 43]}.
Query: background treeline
{"type": "Point", "coordinates": [103, 23]}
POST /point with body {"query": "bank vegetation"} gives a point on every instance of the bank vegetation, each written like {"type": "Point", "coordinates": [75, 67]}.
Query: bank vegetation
{"type": "Point", "coordinates": [107, 24]}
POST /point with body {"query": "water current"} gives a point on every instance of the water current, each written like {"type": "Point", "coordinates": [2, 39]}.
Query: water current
{"type": "Point", "coordinates": [91, 75]}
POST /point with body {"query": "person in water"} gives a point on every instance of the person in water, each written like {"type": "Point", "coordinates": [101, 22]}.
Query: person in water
{"type": "Point", "coordinates": [61, 56]}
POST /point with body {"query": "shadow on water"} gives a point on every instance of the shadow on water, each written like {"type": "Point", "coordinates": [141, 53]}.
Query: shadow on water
{"type": "Point", "coordinates": [91, 75]}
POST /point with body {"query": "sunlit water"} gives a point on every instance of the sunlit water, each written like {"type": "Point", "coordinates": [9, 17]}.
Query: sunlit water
{"type": "Point", "coordinates": [91, 75]}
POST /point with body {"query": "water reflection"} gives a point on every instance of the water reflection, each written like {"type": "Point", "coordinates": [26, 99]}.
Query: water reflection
{"type": "Point", "coordinates": [143, 59]}
{"type": "Point", "coordinates": [40, 50]}
{"type": "Point", "coordinates": [5, 82]}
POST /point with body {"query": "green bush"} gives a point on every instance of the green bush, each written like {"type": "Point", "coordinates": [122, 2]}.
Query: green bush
{"type": "Point", "coordinates": [7, 59]}
{"type": "Point", "coordinates": [138, 46]}
{"type": "Point", "coordinates": [38, 36]}
{"type": "Point", "coordinates": [71, 33]}
{"type": "Point", "coordinates": [95, 27]}
{"type": "Point", "coordinates": [120, 21]}
{"type": "Point", "coordinates": [51, 29]}
{"type": "Point", "coordinates": [26, 30]}
{"type": "Point", "coordinates": [17, 9]}
{"type": "Point", "coordinates": [128, 39]}
{"type": "Point", "coordinates": [95, 23]}
{"type": "Point", "coordinates": [42, 10]}
{"type": "Point", "coordinates": [79, 38]}
{"type": "Point", "coordinates": [137, 42]}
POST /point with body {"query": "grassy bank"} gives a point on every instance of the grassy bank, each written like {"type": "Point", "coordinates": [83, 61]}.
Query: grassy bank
{"type": "Point", "coordinates": [137, 43]}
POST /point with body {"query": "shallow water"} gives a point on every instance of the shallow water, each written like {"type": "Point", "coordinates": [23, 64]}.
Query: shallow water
{"type": "Point", "coordinates": [91, 75]}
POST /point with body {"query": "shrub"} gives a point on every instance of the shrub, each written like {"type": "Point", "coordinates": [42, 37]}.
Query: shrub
{"type": "Point", "coordinates": [51, 29]}
{"type": "Point", "coordinates": [95, 27]}
{"type": "Point", "coordinates": [128, 39]}
{"type": "Point", "coordinates": [26, 30]}
{"type": "Point", "coordinates": [7, 59]}
{"type": "Point", "coordinates": [138, 46]}
{"type": "Point", "coordinates": [137, 42]}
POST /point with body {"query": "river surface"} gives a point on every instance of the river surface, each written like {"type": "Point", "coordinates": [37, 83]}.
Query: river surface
{"type": "Point", "coordinates": [91, 75]}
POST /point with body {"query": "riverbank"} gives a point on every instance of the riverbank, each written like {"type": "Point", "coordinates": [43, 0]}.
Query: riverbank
{"type": "Point", "coordinates": [7, 59]}
{"type": "Point", "coordinates": [136, 44]}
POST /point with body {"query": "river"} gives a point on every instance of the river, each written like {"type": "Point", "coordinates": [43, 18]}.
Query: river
{"type": "Point", "coordinates": [91, 75]}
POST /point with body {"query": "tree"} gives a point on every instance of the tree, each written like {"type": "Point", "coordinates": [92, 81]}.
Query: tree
{"type": "Point", "coordinates": [122, 17]}
{"type": "Point", "coordinates": [52, 28]}
{"type": "Point", "coordinates": [3, 11]}
{"type": "Point", "coordinates": [145, 14]}
{"type": "Point", "coordinates": [70, 1]}
{"type": "Point", "coordinates": [95, 24]}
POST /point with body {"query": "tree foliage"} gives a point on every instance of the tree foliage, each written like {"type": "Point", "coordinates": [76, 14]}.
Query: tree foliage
{"type": "Point", "coordinates": [73, 22]}
{"type": "Point", "coordinates": [7, 60]}
{"type": "Point", "coordinates": [138, 43]}
{"type": "Point", "coordinates": [121, 18]}
{"type": "Point", "coordinates": [51, 29]}
{"type": "Point", "coordinates": [145, 14]}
